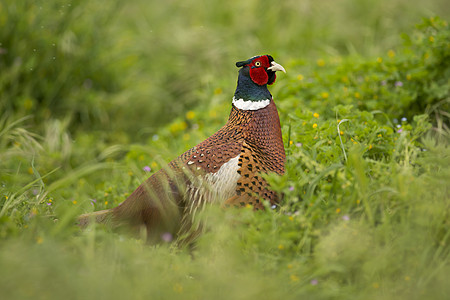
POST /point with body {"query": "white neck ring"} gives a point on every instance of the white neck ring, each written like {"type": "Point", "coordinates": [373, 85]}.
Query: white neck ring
{"type": "Point", "coordinates": [250, 105]}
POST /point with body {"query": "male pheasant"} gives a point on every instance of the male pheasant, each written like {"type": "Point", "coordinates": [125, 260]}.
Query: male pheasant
{"type": "Point", "coordinates": [226, 168]}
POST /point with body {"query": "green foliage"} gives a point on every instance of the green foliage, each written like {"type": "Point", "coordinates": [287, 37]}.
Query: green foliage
{"type": "Point", "coordinates": [101, 64]}
{"type": "Point", "coordinates": [52, 59]}
{"type": "Point", "coordinates": [406, 82]}
{"type": "Point", "coordinates": [365, 213]}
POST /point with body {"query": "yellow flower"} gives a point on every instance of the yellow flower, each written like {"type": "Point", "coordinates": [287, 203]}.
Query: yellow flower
{"type": "Point", "coordinates": [106, 202]}
{"type": "Point", "coordinates": [408, 77]}
{"type": "Point", "coordinates": [338, 210]}
{"type": "Point", "coordinates": [6, 197]}
{"type": "Point", "coordinates": [357, 95]}
{"type": "Point", "coordinates": [218, 91]}
{"type": "Point", "coordinates": [379, 135]}
{"type": "Point", "coordinates": [314, 125]}
{"type": "Point", "coordinates": [289, 266]}
{"type": "Point", "coordinates": [178, 126]}
{"type": "Point", "coordinates": [431, 39]}
{"type": "Point", "coordinates": [213, 114]}
{"type": "Point", "coordinates": [39, 240]}
{"type": "Point", "coordinates": [379, 60]}
{"type": "Point", "coordinates": [291, 142]}
{"type": "Point", "coordinates": [130, 173]}
{"type": "Point", "coordinates": [281, 247]}
{"type": "Point", "coordinates": [320, 62]}
{"type": "Point", "coordinates": [344, 79]}
{"type": "Point", "coordinates": [190, 115]}
{"type": "Point", "coordinates": [324, 95]}
{"type": "Point", "coordinates": [391, 53]}
{"type": "Point", "coordinates": [370, 147]}
{"type": "Point", "coordinates": [291, 218]}
{"type": "Point", "coordinates": [358, 201]}
{"type": "Point", "coordinates": [74, 202]}
{"type": "Point", "coordinates": [28, 104]}
{"type": "Point", "coordinates": [294, 278]}
{"type": "Point", "coordinates": [30, 170]}
{"type": "Point", "coordinates": [315, 115]}
{"type": "Point", "coordinates": [341, 132]}
{"type": "Point", "coordinates": [407, 278]}
{"type": "Point", "coordinates": [376, 285]}
{"type": "Point", "coordinates": [178, 288]}
{"type": "Point", "coordinates": [300, 77]}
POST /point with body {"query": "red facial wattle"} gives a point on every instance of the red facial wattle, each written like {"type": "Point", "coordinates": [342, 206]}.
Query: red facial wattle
{"type": "Point", "coordinates": [274, 77]}
{"type": "Point", "coordinates": [258, 71]}
{"type": "Point", "coordinates": [259, 75]}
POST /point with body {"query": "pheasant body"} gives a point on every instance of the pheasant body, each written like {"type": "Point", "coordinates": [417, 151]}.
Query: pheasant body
{"type": "Point", "coordinates": [226, 168]}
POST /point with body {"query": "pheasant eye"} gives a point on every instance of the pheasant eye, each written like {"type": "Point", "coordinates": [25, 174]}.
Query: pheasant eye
{"type": "Point", "coordinates": [258, 64]}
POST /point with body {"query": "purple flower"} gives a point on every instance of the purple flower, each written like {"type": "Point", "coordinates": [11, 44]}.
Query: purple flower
{"type": "Point", "coordinates": [298, 145]}
{"type": "Point", "coordinates": [166, 237]}
{"type": "Point", "coordinates": [93, 201]}
{"type": "Point", "coordinates": [314, 282]}
{"type": "Point", "coordinates": [35, 192]}
{"type": "Point", "coordinates": [147, 169]}
{"type": "Point", "coordinates": [398, 83]}
{"type": "Point", "coordinates": [345, 218]}
{"type": "Point", "coordinates": [291, 188]}
{"type": "Point", "coordinates": [400, 130]}
{"type": "Point", "coordinates": [383, 82]}
{"type": "Point", "coordinates": [404, 119]}
{"type": "Point", "coordinates": [49, 203]}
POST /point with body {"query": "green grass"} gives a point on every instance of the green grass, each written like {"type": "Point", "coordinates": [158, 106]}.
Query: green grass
{"type": "Point", "coordinates": [364, 112]}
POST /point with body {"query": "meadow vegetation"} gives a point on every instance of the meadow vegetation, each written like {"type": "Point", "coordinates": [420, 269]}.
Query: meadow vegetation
{"type": "Point", "coordinates": [95, 96]}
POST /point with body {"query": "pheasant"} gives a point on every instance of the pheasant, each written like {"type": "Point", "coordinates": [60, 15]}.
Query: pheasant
{"type": "Point", "coordinates": [226, 168]}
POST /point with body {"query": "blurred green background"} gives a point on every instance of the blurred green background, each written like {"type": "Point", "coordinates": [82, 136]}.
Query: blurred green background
{"type": "Point", "coordinates": [95, 93]}
{"type": "Point", "coordinates": [129, 68]}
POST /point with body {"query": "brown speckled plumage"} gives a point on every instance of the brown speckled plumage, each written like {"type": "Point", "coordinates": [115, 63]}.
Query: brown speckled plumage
{"type": "Point", "coordinates": [225, 168]}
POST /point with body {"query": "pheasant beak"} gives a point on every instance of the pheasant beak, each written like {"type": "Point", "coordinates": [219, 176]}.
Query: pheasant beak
{"type": "Point", "coordinates": [276, 67]}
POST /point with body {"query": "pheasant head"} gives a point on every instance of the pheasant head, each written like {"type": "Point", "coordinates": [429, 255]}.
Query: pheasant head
{"type": "Point", "coordinates": [254, 76]}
